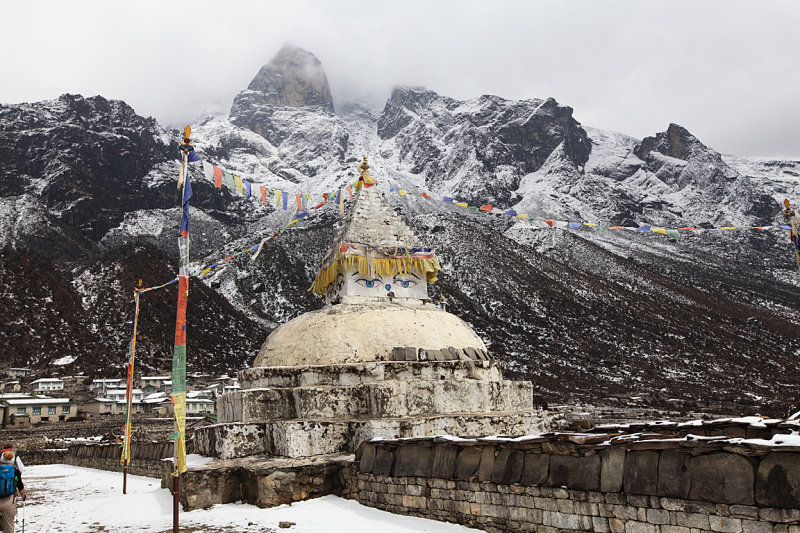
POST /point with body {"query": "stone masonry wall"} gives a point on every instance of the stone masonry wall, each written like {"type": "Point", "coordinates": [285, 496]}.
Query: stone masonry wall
{"type": "Point", "coordinates": [577, 482]}
{"type": "Point", "coordinates": [146, 457]}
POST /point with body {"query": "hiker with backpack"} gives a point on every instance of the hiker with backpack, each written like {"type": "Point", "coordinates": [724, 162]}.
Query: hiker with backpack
{"type": "Point", "coordinates": [8, 447]}
{"type": "Point", "coordinates": [10, 486]}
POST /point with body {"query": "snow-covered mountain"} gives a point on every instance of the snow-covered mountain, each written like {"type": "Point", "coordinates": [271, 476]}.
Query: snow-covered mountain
{"type": "Point", "coordinates": [88, 206]}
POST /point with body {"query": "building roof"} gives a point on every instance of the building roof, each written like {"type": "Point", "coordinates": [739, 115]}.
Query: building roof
{"type": "Point", "coordinates": [48, 380]}
{"type": "Point", "coordinates": [35, 401]}
{"type": "Point", "coordinates": [152, 378]}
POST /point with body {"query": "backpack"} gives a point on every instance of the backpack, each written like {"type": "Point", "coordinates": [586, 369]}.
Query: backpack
{"type": "Point", "coordinates": [7, 483]}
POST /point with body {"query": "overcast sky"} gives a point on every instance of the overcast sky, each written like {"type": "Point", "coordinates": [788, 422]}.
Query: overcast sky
{"type": "Point", "coordinates": [727, 70]}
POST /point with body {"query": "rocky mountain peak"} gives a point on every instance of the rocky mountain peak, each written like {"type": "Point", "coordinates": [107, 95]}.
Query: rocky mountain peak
{"type": "Point", "coordinates": [676, 142]}
{"type": "Point", "coordinates": [293, 78]}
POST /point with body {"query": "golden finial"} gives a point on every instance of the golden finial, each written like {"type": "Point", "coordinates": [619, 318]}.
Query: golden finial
{"type": "Point", "coordinates": [363, 166]}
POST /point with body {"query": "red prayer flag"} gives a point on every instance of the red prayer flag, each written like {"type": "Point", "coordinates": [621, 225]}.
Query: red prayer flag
{"type": "Point", "coordinates": [299, 202]}
{"type": "Point", "coordinates": [425, 195]}
{"type": "Point", "coordinates": [548, 222]}
{"type": "Point", "coordinates": [350, 192]}
{"type": "Point", "coordinates": [263, 195]}
{"type": "Point", "coordinates": [487, 207]}
{"type": "Point", "coordinates": [218, 177]}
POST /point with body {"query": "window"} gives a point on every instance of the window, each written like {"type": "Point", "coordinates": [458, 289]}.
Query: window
{"type": "Point", "coordinates": [22, 410]}
{"type": "Point", "coordinates": [37, 410]}
{"type": "Point", "coordinates": [65, 410]}
{"type": "Point", "coordinates": [108, 408]}
{"type": "Point", "coordinates": [51, 410]}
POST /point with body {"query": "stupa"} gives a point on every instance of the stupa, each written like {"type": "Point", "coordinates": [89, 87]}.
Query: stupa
{"type": "Point", "coordinates": [380, 359]}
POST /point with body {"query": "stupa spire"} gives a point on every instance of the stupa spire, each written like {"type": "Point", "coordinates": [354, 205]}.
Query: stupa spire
{"type": "Point", "coordinates": [375, 254]}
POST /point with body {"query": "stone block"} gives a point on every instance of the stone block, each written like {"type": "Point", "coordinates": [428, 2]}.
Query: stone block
{"type": "Point", "coordinates": [384, 459]}
{"type": "Point", "coordinates": [578, 473]}
{"type": "Point", "coordinates": [535, 469]}
{"type": "Point", "coordinates": [444, 461]}
{"type": "Point", "coordinates": [616, 525]}
{"type": "Point", "coordinates": [467, 462]}
{"type": "Point", "coordinates": [674, 529]}
{"type": "Point", "coordinates": [640, 474]}
{"type": "Point", "coordinates": [693, 520]}
{"type": "Point", "coordinates": [743, 511]}
{"type": "Point", "coordinates": [487, 463]}
{"type": "Point", "coordinates": [412, 460]}
{"type": "Point", "coordinates": [398, 353]}
{"type": "Point", "coordinates": [472, 354]}
{"type": "Point", "coordinates": [600, 524]}
{"type": "Point", "coordinates": [507, 467]}
{"type": "Point", "coordinates": [640, 527]}
{"type": "Point", "coordinates": [638, 500]}
{"type": "Point", "coordinates": [612, 465]}
{"type": "Point", "coordinates": [722, 478]}
{"type": "Point", "coordinates": [673, 474]}
{"type": "Point", "coordinates": [778, 480]}
{"type": "Point", "coordinates": [657, 516]}
{"type": "Point", "coordinates": [753, 526]}
{"type": "Point", "coordinates": [724, 524]}
{"type": "Point", "coordinates": [367, 458]}
{"type": "Point", "coordinates": [410, 353]}
{"type": "Point", "coordinates": [455, 353]}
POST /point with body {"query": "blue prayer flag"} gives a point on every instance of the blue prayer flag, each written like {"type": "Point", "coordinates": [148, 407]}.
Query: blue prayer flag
{"type": "Point", "coordinates": [575, 225]}
{"type": "Point", "coordinates": [447, 200]}
{"type": "Point", "coordinates": [193, 157]}
{"type": "Point", "coordinates": [643, 228]}
{"type": "Point", "coordinates": [247, 186]}
{"type": "Point", "coordinates": [187, 193]}
{"type": "Point", "coordinates": [285, 199]}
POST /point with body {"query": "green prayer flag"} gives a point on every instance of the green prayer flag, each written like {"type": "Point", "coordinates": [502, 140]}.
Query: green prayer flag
{"type": "Point", "coordinates": [673, 233]}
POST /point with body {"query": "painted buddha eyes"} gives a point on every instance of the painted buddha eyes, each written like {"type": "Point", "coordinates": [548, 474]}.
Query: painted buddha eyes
{"type": "Point", "coordinates": [369, 283]}
{"type": "Point", "coordinates": [372, 283]}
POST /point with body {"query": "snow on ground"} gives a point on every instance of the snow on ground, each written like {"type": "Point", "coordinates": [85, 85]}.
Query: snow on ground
{"type": "Point", "coordinates": [65, 498]}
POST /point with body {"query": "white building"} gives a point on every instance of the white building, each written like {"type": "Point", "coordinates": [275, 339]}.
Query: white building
{"type": "Point", "coordinates": [106, 383]}
{"type": "Point", "coordinates": [47, 384]}
{"type": "Point", "coordinates": [120, 395]}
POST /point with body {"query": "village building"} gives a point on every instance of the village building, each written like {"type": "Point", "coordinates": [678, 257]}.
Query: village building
{"type": "Point", "coordinates": [150, 384]}
{"type": "Point", "coordinates": [106, 383]}
{"type": "Point", "coordinates": [14, 372]}
{"type": "Point", "coordinates": [47, 384]}
{"type": "Point", "coordinates": [95, 407]}
{"type": "Point", "coordinates": [26, 410]}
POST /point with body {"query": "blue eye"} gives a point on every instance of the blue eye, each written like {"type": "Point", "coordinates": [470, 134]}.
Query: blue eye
{"type": "Point", "coordinates": [405, 283]}
{"type": "Point", "coordinates": [368, 283]}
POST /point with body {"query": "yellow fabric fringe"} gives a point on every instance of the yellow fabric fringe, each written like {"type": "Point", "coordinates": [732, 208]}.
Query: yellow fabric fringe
{"type": "Point", "coordinates": [376, 266]}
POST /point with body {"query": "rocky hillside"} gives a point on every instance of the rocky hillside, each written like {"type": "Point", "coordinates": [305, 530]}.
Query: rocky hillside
{"type": "Point", "coordinates": [88, 206]}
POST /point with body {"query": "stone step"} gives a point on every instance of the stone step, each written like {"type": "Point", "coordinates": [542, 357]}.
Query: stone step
{"type": "Point", "coordinates": [375, 400]}
{"type": "Point", "coordinates": [359, 373]}
{"type": "Point", "coordinates": [317, 436]}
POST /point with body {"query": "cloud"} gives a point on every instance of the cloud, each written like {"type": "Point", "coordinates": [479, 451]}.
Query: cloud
{"type": "Point", "coordinates": [724, 70]}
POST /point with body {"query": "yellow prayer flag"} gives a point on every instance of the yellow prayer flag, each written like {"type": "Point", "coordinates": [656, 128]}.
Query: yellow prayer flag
{"type": "Point", "coordinates": [401, 192]}
{"type": "Point", "coordinates": [662, 231]}
{"type": "Point", "coordinates": [277, 197]}
{"type": "Point", "coordinates": [520, 217]}
{"type": "Point", "coordinates": [728, 227]}
{"type": "Point", "coordinates": [239, 184]}
{"type": "Point", "coordinates": [462, 204]}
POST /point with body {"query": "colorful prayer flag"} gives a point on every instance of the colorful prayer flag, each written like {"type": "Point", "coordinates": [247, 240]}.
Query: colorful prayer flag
{"type": "Point", "coordinates": [218, 177]}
